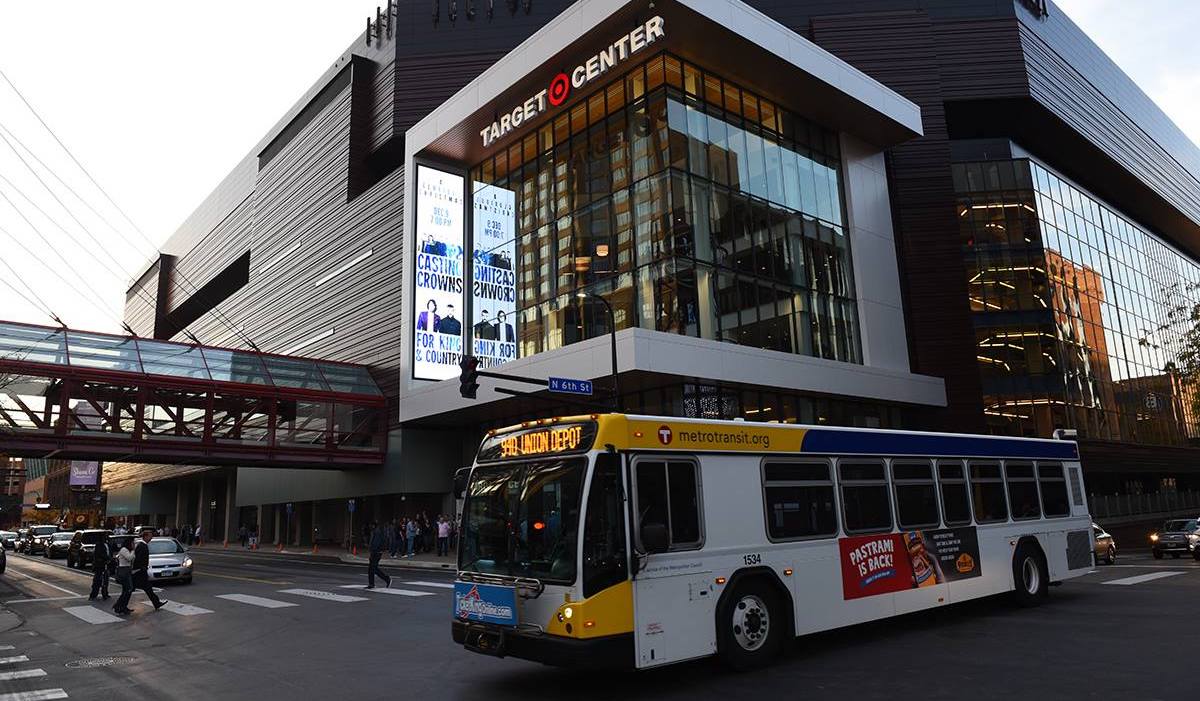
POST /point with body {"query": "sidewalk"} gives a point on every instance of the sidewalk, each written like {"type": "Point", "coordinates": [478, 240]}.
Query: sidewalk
{"type": "Point", "coordinates": [331, 553]}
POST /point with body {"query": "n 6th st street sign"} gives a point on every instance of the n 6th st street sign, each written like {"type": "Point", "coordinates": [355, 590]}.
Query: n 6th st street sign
{"type": "Point", "coordinates": [565, 385]}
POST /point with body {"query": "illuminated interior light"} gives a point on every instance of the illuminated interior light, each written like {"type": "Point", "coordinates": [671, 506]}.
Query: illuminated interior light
{"type": "Point", "coordinates": [994, 361]}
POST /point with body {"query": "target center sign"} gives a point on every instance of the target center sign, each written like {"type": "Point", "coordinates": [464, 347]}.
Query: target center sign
{"type": "Point", "coordinates": [560, 87]}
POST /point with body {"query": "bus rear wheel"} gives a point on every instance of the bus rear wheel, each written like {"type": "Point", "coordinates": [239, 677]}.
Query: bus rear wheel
{"type": "Point", "coordinates": [750, 627]}
{"type": "Point", "coordinates": [1029, 576]}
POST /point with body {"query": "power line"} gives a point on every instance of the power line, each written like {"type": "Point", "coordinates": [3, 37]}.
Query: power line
{"type": "Point", "coordinates": [215, 312]}
{"type": "Point", "coordinates": [40, 304]}
{"type": "Point", "coordinates": [107, 312]}
{"type": "Point", "coordinates": [120, 270]}
{"type": "Point", "coordinates": [75, 160]}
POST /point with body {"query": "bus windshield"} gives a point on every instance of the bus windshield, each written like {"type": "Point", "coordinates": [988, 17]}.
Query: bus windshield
{"type": "Point", "coordinates": [522, 519]}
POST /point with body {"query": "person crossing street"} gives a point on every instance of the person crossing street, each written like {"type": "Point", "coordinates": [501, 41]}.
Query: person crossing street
{"type": "Point", "coordinates": [100, 558]}
{"type": "Point", "coordinates": [141, 569]}
{"type": "Point", "coordinates": [377, 546]}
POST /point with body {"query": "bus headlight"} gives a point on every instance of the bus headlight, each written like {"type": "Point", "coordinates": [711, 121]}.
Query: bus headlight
{"type": "Point", "coordinates": [568, 612]}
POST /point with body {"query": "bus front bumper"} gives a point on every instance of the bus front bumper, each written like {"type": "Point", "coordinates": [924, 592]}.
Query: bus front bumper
{"type": "Point", "coordinates": [608, 652]}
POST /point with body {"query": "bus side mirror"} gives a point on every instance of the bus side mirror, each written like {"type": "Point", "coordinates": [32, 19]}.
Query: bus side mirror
{"type": "Point", "coordinates": [655, 538]}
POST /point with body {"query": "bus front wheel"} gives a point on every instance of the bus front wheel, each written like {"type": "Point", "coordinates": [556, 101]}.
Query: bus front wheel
{"type": "Point", "coordinates": [1030, 575]}
{"type": "Point", "coordinates": [750, 626]}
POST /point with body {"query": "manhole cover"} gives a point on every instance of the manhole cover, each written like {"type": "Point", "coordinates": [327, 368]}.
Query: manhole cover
{"type": "Point", "coordinates": [93, 662]}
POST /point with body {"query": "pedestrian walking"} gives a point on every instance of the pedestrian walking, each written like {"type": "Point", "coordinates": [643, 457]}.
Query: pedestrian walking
{"type": "Point", "coordinates": [392, 538]}
{"type": "Point", "coordinates": [196, 534]}
{"type": "Point", "coordinates": [378, 543]}
{"type": "Point", "coordinates": [243, 535]}
{"type": "Point", "coordinates": [410, 534]}
{"type": "Point", "coordinates": [141, 569]}
{"type": "Point", "coordinates": [443, 536]}
{"type": "Point", "coordinates": [100, 558]}
{"type": "Point", "coordinates": [124, 575]}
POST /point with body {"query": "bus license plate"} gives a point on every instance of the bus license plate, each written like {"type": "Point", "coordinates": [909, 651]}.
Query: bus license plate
{"type": "Point", "coordinates": [485, 603]}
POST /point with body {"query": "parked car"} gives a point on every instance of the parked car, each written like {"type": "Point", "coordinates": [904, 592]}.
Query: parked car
{"type": "Point", "coordinates": [170, 561]}
{"type": "Point", "coordinates": [1178, 536]}
{"type": "Point", "coordinates": [58, 544]}
{"type": "Point", "coordinates": [8, 539]}
{"type": "Point", "coordinates": [83, 545]}
{"type": "Point", "coordinates": [1106, 546]}
{"type": "Point", "coordinates": [38, 535]}
{"type": "Point", "coordinates": [3, 560]}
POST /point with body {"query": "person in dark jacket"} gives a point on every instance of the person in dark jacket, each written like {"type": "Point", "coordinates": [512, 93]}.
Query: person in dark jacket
{"type": "Point", "coordinates": [100, 557]}
{"type": "Point", "coordinates": [141, 569]}
{"type": "Point", "coordinates": [378, 544]}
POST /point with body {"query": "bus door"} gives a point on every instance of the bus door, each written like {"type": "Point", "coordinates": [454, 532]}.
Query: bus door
{"type": "Point", "coordinates": [674, 596]}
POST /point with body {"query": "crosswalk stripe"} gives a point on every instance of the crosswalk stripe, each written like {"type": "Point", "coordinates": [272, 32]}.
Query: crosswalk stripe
{"type": "Point", "coordinates": [257, 601]}
{"type": "Point", "coordinates": [15, 658]}
{"type": "Point", "coordinates": [91, 614]}
{"type": "Point", "coordinates": [389, 590]}
{"type": "Point", "coordinates": [22, 674]}
{"type": "Point", "coordinates": [180, 609]}
{"type": "Point", "coordinates": [1138, 579]}
{"type": "Point", "coordinates": [40, 695]}
{"type": "Point", "coordinates": [323, 595]}
{"type": "Point", "coordinates": [439, 585]}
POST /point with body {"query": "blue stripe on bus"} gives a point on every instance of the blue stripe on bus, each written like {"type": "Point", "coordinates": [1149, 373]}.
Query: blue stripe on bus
{"type": "Point", "coordinates": [860, 442]}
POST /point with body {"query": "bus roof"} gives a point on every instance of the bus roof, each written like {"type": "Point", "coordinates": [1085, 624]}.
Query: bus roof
{"type": "Point", "coordinates": [642, 432]}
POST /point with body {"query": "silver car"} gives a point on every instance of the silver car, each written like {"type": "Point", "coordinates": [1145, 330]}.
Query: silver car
{"type": "Point", "coordinates": [8, 539]}
{"type": "Point", "coordinates": [170, 561]}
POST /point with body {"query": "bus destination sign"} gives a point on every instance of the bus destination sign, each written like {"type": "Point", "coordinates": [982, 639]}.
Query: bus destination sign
{"type": "Point", "coordinates": [539, 440]}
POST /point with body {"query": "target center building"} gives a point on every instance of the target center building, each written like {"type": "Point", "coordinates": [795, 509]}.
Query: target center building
{"type": "Point", "coordinates": [686, 179]}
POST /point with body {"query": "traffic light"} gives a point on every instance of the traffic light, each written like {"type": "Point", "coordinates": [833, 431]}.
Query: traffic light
{"type": "Point", "coordinates": [468, 377]}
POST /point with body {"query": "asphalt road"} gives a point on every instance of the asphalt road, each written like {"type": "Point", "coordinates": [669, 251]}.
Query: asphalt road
{"type": "Point", "coordinates": [1092, 640]}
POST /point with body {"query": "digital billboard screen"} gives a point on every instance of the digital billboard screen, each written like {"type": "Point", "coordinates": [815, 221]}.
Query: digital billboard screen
{"type": "Point", "coordinates": [438, 276]}
{"type": "Point", "coordinates": [494, 290]}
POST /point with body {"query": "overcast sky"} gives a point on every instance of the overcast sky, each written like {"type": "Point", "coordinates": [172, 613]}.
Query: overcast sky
{"type": "Point", "coordinates": [158, 100]}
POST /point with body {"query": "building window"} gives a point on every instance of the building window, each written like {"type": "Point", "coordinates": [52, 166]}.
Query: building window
{"type": "Point", "coordinates": [693, 206]}
{"type": "Point", "coordinates": [1077, 309]}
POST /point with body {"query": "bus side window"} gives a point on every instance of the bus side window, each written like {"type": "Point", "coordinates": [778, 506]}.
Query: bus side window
{"type": "Point", "coordinates": [956, 505]}
{"type": "Point", "coordinates": [799, 500]}
{"type": "Point", "coordinates": [987, 492]}
{"type": "Point", "coordinates": [866, 505]}
{"type": "Point", "coordinates": [916, 497]}
{"type": "Point", "coordinates": [668, 493]}
{"type": "Point", "coordinates": [1054, 489]}
{"type": "Point", "coordinates": [1022, 490]}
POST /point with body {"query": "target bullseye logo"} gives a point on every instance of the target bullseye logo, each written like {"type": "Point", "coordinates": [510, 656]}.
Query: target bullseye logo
{"type": "Point", "coordinates": [560, 87]}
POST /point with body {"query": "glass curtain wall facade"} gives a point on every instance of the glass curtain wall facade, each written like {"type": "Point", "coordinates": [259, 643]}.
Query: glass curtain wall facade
{"type": "Point", "coordinates": [1073, 309]}
{"type": "Point", "coordinates": [693, 206]}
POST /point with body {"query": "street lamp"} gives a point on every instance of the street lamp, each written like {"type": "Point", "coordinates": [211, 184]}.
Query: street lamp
{"type": "Point", "coordinates": [612, 329]}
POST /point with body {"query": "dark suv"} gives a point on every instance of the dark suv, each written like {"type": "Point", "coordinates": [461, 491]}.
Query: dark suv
{"type": "Point", "coordinates": [83, 546]}
{"type": "Point", "coordinates": [1178, 536]}
{"type": "Point", "coordinates": [38, 537]}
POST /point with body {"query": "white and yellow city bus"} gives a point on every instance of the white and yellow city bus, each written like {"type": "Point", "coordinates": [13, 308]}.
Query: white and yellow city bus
{"type": "Point", "coordinates": [638, 541]}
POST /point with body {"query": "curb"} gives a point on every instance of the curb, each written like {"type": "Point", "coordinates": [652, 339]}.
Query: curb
{"type": "Point", "coordinates": [399, 562]}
